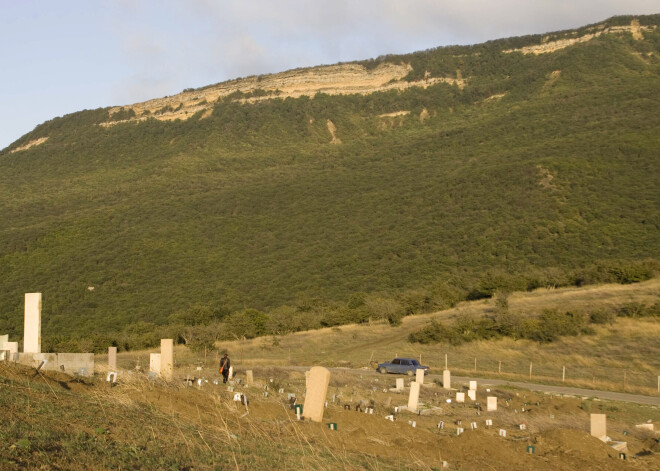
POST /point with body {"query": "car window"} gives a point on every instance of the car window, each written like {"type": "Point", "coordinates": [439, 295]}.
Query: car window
{"type": "Point", "coordinates": [407, 362]}
{"type": "Point", "coordinates": [396, 361]}
{"type": "Point", "coordinates": [414, 362]}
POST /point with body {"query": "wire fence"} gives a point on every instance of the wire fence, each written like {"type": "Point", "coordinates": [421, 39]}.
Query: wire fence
{"type": "Point", "coordinates": [594, 377]}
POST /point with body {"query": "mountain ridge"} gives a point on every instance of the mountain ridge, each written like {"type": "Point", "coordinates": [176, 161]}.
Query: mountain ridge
{"type": "Point", "coordinates": [541, 170]}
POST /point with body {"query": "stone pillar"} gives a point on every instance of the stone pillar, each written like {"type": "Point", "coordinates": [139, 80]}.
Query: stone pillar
{"type": "Point", "coordinates": [460, 397]}
{"type": "Point", "coordinates": [166, 359]}
{"type": "Point", "coordinates": [249, 378]}
{"type": "Point", "coordinates": [446, 379]}
{"type": "Point", "coordinates": [419, 376]}
{"type": "Point", "coordinates": [154, 363]}
{"type": "Point", "coordinates": [3, 340]}
{"type": "Point", "coordinates": [599, 426]}
{"type": "Point", "coordinates": [315, 396]}
{"type": "Point", "coordinates": [473, 385]}
{"type": "Point", "coordinates": [112, 358]}
{"type": "Point", "coordinates": [472, 394]}
{"type": "Point", "coordinates": [413, 398]}
{"type": "Point", "coordinates": [492, 403]}
{"type": "Point", "coordinates": [32, 331]}
{"type": "Point", "coordinates": [399, 384]}
{"type": "Point", "coordinates": [231, 372]}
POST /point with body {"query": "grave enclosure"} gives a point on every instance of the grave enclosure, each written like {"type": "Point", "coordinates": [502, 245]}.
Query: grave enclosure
{"type": "Point", "coordinates": [32, 356]}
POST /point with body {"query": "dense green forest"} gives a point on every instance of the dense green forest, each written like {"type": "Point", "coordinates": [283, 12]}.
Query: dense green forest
{"type": "Point", "coordinates": [543, 170]}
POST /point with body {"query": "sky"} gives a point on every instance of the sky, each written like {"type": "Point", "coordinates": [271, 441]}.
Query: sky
{"type": "Point", "coordinates": [58, 57]}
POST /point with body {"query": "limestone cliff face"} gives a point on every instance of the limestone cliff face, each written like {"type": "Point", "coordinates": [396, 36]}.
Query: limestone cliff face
{"type": "Point", "coordinates": [331, 80]}
{"type": "Point", "coordinates": [549, 45]}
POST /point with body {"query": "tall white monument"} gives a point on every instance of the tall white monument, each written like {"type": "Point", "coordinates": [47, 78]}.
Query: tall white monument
{"type": "Point", "coordinates": [32, 331]}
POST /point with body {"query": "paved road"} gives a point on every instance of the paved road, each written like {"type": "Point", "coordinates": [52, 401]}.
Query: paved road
{"type": "Point", "coordinates": [608, 395]}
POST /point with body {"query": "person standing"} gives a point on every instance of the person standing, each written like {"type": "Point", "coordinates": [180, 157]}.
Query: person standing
{"type": "Point", "coordinates": [225, 364]}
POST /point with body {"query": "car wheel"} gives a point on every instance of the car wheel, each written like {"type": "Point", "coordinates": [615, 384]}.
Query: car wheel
{"type": "Point", "coordinates": [382, 370]}
{"type": "Point", "coordinates": [410, 373]}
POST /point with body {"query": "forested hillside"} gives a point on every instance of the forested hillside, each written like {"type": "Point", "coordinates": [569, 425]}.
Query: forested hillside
{"type": "Point", "coordinates": [280, 214]}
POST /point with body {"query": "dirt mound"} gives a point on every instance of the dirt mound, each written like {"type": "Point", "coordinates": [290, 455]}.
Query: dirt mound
{"type": "Point", "coordinates": [578, 444]}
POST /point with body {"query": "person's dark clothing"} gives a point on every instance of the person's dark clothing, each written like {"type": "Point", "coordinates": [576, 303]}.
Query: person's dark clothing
{"type": "Point", "coordinates": [225, 364]}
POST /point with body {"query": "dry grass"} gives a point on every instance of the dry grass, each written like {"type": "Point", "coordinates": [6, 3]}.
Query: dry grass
{"type": "Point", "coordinates": [629, 347]}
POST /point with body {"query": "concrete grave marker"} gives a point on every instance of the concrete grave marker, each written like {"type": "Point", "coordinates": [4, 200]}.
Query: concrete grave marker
{"type": "Point", "coordinates": [3, 340]}
{"type": "Point", "coordinates": [154, 363]}
{"type": "Point", "coordinates": [419, 376]}
{"type": "Point", "coordinates": [317, 390]}
{"type": "Point", "coordinates": [460, 397]}
{"type": "Point", "coordinates": [489, 422]}
{"type": "Point", "coordinates": [249, 377]}
{"type": "Point", "coordinates": [399, 384]}
{"type": "Point", "coordinates": [12, 348]}
{"type": "Point", "coordinates": [32, 331]}
{"type": "Point", "coordinates": [112, 358]}
{"type": "Point", "coordinates": [166, 359]}
{"type": "Point", "coordinates": [459, 430]}
{"type": "Point", "coordinates": [231, 372]}
{"type": "Point", "coordinates": [472, 394]}
{"type": "Point", "coordinates": [446, 379]}
{"type": "Point", "coordinates": [413, 398]}
{"type": "Point", "coordinates": [599, 426]}
{"type": "Point", "coordinates": [112, 377]}
{"type": "Point", "coordinates": [502, 432]}
{"type": "Point", "coordinates": [492, 403]}
{"type": "Point", "coordinates": [473, 385]}
{"type": "Point", "coordinates": [649, 427]}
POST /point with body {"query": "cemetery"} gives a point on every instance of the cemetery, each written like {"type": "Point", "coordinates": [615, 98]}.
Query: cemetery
{"type": "Point", "coordinates": [352, 416]}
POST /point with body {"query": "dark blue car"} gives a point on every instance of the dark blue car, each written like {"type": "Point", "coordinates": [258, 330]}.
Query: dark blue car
{"type": "Point", "coordinates": [402, 366]}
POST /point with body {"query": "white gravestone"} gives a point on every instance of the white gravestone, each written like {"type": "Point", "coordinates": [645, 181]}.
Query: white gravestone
{"type": "Point", "coordinates": [460, 397]}
{"type": "Point", "coordinates": [473, 385]}
{"type": "Point", "coordinates": [492, 403]}
{"type": "Point", "coordinates": [315, 395]}
{"type": "Point", "coordinates": [32, 332]}
{"type": "Point", "coordinates": [599, 426]}
{"type": "Point", "coordinates": [472, 394]}
{"type": "Point", "coordinates": [166, 359]}
{"type": "Point", "coordinates": [112, 358]}
{"type": "Point", "coordinates": [413, 398]}
{"type": "Point", "coordinates": [446, 379]}
{"type": "Point", "coordinates": [399, 384]}
{"type": "Point", "coordinates": [154, 363]}
{"type": "Point", "coordinates": [419, 376]}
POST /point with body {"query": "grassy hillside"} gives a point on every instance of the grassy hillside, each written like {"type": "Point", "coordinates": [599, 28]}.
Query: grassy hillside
{"type": "Point", "coordinates": [542, 170]}
{"type": "Point", "coordinates": [52, 421]}
{"type": "Point", "coordinates": [621, 354]}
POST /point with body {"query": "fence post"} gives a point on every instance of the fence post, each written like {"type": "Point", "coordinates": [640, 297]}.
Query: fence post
{"type": "Point", "coordinates": [659, 384]}
{"type": "Point", "coordinates": [624, 380]}
{"type": "Point", "coordinates": [499, 369]}
{"type": "Point", "coordinates": [530, 370]}
{"type": "Point", "coordinates": [475, 364]}
{"type": "Point", "coordinates": [563, 374]}
{"type": "Point", "coordinates": [446, 362]}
